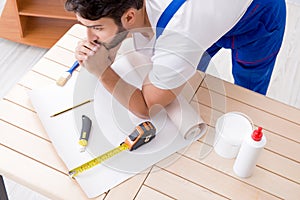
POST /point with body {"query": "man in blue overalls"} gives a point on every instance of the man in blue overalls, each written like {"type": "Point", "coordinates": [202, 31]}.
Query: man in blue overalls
{"type": "Point", "coordinates": [253, 29]}
{"type": "Point", "coordinates": [254, 42]}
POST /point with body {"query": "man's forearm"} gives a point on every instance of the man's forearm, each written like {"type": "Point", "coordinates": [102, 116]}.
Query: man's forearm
{"type": "Point", "coordinates": [128, 95]}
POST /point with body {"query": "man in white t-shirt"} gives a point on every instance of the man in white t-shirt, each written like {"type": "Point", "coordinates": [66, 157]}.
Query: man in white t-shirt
{"type": "Point", "coordinates": [195, 27]}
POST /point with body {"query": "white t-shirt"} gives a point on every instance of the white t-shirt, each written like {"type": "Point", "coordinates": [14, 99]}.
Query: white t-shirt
{"type": "Point", "coordinates": [194, 28]}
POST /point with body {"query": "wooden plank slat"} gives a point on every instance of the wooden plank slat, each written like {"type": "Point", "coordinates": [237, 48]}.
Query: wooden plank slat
{"type": "Point", "coordinates": [261, 178]}
{"type": "Point", "coordinates": [259, 117]}
{"type": "Point", "coordinates": [22, 118]}
{"type": "Point", "coordinates": [252, 98]}
{"type": "Point", "coordinates": [129, 188]}
{"type": "Point", "coordinates": [33, 80]}
{"type": "Point", "coordinates": [68, 42]}
{"type": "Point", "coordinates": [61, 56]}
{"type": "Point", "coordinates": [287, 168]}
{"type": "Point", "coordinates": [16, 139]}
{"type": "Point", "coordinates": [212, 179]}
{"type": "Point", "coordinates": [177, 187]}
{"type": "Point", "coordinates": [282, 146]}
{"type": "Point", "coordinates": [49, 68]}
{"type": "Point", "coordinates": [19, 95]}
{"type": "Point", "coordinates": [147, 193]}
{"type": "Point", "coordinates": [40, 178]}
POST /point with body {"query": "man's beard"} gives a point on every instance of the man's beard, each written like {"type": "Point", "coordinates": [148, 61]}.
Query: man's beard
{"type": "Point", "coordinates": [117, 39]}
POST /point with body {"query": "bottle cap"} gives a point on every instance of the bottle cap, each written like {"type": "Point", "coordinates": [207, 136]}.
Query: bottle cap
{"type": "Point", "coordinates": [257, 134]}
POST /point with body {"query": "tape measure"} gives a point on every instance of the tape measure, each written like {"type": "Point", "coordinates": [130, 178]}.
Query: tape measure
{"type": "Point", "coordinates": [142, 134]}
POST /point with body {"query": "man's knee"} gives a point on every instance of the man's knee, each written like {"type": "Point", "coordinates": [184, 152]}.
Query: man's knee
{"type": "Point", "coordinates": [256, 78]}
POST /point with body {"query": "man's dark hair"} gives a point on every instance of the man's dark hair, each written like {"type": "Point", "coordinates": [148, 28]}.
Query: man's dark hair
{"type": "Point", "coordinates": [96, 9]}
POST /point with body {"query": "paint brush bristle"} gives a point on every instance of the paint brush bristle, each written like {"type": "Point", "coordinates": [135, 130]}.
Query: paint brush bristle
{"type": "Point", "coordinates": [63, 79]}
{"type": "Point", "coordinates": [67, 75]}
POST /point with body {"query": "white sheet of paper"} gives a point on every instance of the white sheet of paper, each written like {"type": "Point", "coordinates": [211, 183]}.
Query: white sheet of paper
{"type": "Point", "coordinates": [111, 123]}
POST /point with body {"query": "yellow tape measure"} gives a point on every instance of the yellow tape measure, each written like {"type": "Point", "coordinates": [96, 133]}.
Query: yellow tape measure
{"type": "Point", "coordinates": [98, 160]}
{"type": "Point", "coordinates": [142, 134]}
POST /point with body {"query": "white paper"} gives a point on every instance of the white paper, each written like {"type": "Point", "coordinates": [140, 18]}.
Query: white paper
{"type": "Point", "coordinates": [111, 123]}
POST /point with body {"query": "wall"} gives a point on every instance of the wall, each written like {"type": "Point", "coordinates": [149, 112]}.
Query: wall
{"type": "Point", "coordinates": [294, 1]}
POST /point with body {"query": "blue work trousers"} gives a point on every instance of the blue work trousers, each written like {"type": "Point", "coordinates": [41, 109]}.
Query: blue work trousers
{"type": "Point", "coordinates": [254, 42]}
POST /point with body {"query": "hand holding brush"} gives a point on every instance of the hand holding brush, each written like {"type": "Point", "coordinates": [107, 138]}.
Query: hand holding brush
{"type": "Point", "coordinates": [67, 75]}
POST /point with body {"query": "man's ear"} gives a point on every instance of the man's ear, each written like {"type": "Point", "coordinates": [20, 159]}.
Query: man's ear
{"type": "Point", "coordinates": [128, 19]}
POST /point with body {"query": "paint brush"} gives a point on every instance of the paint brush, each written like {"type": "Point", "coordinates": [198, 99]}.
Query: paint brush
{"type": "Point", "coordinates": [67, 75]}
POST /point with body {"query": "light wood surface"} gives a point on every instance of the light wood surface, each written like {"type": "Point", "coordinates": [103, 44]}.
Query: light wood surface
{"type": "Point", "coordinates": [29, 158]}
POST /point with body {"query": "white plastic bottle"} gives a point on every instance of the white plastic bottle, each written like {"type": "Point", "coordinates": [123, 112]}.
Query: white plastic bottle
{"type": "Point", "coordinates": [249, 152]}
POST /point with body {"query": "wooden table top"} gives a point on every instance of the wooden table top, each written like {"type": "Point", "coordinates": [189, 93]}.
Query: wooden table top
{"type": "Point", "coordinates": [28, 157]}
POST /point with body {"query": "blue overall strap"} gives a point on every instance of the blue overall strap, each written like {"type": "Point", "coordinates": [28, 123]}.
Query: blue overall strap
{"type": "Point", "coordinates": [167, 15]}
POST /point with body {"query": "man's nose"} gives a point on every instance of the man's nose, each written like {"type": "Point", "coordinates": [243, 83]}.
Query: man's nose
{"type": "Point", "coordinates": [91, 36]}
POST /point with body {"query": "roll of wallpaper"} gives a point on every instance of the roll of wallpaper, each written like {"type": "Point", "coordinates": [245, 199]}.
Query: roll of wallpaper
{"type": "Point", "coordinates": [186, 119]}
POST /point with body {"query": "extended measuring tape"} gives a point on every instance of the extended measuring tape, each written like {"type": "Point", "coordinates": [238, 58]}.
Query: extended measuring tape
{"type": "Point", "coordinates": [142, 134]}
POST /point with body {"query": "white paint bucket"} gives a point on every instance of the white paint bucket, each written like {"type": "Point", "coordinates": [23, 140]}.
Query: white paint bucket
{"type": "Point", "coordinates": [231, 129]}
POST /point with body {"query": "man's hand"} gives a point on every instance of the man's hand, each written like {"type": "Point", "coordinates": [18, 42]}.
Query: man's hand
{"type": "Point", "coordinates": [98, 62]}
{"type": "Point", "coordinates": [95, 57]}
{"type": "Point", "coordinates": [84, 49]}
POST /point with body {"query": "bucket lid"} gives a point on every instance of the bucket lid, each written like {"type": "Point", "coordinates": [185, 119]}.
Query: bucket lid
{"type": "Point", "coordinates": [233, 127]}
